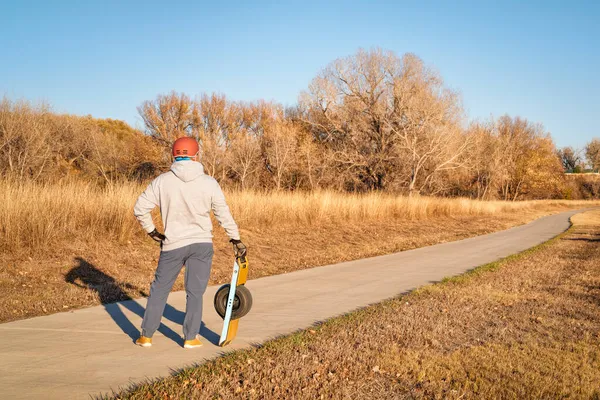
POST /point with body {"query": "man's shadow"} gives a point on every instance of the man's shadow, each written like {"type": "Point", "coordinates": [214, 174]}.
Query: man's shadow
{"type": "Point", "coordinates": [86, 275]}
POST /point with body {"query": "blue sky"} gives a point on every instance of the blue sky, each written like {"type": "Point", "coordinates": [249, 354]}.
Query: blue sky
{"type": "Point", "coordinates": [539, 60]}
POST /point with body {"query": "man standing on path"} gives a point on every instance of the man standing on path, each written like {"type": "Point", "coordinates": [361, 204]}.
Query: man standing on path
{"type": "Point", "coordinates": [185, 196]}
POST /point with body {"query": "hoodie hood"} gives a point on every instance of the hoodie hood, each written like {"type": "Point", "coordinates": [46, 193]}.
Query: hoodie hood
{"type": "Point", "coordinates": [187, 170]}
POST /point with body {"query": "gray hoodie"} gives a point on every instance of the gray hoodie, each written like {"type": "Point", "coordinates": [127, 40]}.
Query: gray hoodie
{"type": "Point", "coordinates": [185, 196]}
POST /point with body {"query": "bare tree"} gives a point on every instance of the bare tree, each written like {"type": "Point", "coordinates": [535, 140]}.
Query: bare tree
{"type": "Point", "coordinates": [168, 117]}
{"type": "Point", "coordinates": [245, 158]}
{"type": "Point", "coordinates": [529, 158]}
{"type": "Point", "coordinates": [426, 118]}
{"type": "Point", "coordinates": [385, 119]}
{"type": "Point", "coordinates": [486, 160]}
{"type": "Point", "coordinates": [215, 122]}
{"type": "Point", "coordinates": [25, 149]}
{"type": "Point", "coordinates": [570, 159]}
{"type": "Point", "coordinates": [592, 154]}
{"type": "Point", "coordinates": [279, 146]}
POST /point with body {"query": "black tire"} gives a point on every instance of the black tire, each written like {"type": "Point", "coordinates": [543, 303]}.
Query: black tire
{"type": "Point", "coordinates": [242, 303]}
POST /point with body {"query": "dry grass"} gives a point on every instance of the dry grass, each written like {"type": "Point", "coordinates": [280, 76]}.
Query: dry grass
{"type": "Point", "coordinates": [527, 327]}
{"type": "Point", "coordinates": [587, 220]}
{"type": "Point", "coordinates": [71, 245]}
{"type": "Point", "coordinates": [35, 217]}
{"type": "Point", "coordinates": [319, 208]}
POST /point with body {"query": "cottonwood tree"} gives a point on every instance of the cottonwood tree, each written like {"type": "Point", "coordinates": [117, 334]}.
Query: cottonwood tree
{"type": "Point", "coordinates": [486, 160]}
{"type": "Point", "coordinates": [245, 153]}
{"type": "Point", "coordinates": [313, 160]}
{"type": "Point", "coordinates": [511, 158]}
{"type": "Point", "coordinates": [385, 120]}
{"type": "Point", "coordinates": [245, 158]}
{"type": "Point", "coordinates": [168, 117]}
{"type": "Point", "coordinates": [215, 122]}
{"type": "Point", "coordinates": [279, 149]}
{"type": "Point", "coordinates": [346, 108]}
{"type": "Point", "coordinates": [528, 155]}
{"type": "Point", "coordinates": [592, 154]}
{"type": "Point", "coordinates": [426, 119]}
{"type": "Point", "coordinates": [570, 159]}
{"type": "Point", "coordinates": [546, 175]}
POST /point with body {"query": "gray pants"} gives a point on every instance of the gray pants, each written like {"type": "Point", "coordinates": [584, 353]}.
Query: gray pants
{"type": "Point", "coordinates": [197, 259]}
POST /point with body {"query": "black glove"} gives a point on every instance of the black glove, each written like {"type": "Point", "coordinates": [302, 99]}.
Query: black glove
{"type": "Point", "coordinates": [157, 236]}
{"type": "Point", "coordinates": [239, 248]}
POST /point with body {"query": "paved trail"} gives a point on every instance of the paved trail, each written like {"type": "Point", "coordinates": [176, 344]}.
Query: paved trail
{"type": "Point", "coordinates": [90, 351]}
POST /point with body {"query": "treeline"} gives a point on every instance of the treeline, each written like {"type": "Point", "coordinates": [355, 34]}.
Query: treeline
{"type": "Point", "coordinates": [371, 121]}
{"type": "Point", "coordinates": [576, 161]}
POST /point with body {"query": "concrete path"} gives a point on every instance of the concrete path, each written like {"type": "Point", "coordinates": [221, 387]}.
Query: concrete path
{"type": "Point", "coordinates": [90, 351]}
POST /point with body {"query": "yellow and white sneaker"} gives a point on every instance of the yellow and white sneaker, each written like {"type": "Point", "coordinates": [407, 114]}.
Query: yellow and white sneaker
{"type": "Point", "coordinates": [144, 341]}
{"type": "Point", "coordinates": [192, 344]}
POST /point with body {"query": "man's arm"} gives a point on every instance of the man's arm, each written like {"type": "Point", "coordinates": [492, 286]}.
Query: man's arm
{"type": "Point", "coordinates": [222, 213]}
{"type": "Point", "coordinates": [144, 206]}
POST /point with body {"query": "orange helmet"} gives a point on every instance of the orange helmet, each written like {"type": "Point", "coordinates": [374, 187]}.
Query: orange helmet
{"type": "Point", "coordinates": [185, 147]}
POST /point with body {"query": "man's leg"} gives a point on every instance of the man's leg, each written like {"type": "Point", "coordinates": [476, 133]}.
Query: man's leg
{"type": "Point", "coordinates": [169, 265]}
{"type": "Point", "coordinates": [197, 272]}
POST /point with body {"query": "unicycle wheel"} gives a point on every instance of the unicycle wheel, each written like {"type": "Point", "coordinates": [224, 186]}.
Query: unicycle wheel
{"type": "Point", "coordinates": [242, 302]}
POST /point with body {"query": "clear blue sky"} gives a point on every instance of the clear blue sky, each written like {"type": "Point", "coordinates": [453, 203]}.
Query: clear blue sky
{"type": "Point", "coordinates": [539, 60]}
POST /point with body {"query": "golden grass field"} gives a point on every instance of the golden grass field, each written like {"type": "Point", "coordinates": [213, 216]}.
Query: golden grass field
{"type": "Point", "coordinates": [527, 327]}
{"type": "Point", "coordinates": [72, 245]}
{"type": "Point", "coordinates": [35, 217]}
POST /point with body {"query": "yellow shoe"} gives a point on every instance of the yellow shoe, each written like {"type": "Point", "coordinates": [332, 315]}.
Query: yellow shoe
{"type": "Point", "coordinates": [192, 344]}
{"type": "Point", "coordinates": [144, 341]}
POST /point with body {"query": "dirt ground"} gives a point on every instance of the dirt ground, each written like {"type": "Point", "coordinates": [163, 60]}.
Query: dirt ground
{"type": "Point", "coordinates": [526, 327]}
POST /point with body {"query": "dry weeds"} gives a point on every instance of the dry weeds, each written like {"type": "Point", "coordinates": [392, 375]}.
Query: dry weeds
{"type": "Point", "coordinates": [527, 327]}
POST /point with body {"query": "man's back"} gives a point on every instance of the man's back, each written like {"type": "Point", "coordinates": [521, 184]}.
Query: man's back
{"type": "Point", "coordinates": [185, 195]}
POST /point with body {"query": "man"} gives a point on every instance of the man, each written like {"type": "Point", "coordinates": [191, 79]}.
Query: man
{"type": "Point", "coordinates": [185, 196]}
